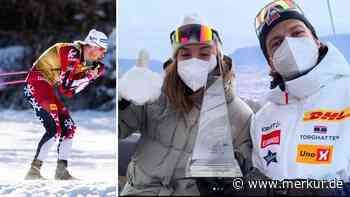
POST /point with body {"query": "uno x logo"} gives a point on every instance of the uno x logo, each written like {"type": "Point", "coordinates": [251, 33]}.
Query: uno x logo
{"type": "Point", "coordinates": [322, 154]}
{"type": "Point", "coordinates": [314, 154]}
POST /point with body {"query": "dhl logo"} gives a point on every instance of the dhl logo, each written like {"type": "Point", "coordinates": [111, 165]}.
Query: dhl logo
{"type": "Point", "coordinates": [327, 115]}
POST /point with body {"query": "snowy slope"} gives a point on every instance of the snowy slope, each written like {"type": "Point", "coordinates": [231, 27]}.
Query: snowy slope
{"type": "Point", "coordinates": [93, 156]}
{"type": "Point", "coordinates": [57, 188]}
{"type": "Point", "coordinates": [252, 82]}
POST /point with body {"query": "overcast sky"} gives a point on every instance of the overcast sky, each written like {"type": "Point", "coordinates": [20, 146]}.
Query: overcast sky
{"type": "Point", "coordinates": [148, 23]}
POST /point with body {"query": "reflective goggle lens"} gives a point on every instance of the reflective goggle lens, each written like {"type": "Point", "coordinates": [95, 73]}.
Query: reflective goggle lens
{"type": "Point", "coordinates": [186, 33]}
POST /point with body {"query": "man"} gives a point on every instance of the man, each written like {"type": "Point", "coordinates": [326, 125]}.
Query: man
{"type": "Point", "coordinates": [60, 72]}
{"type": "Point", "coordinates": [302, 132]}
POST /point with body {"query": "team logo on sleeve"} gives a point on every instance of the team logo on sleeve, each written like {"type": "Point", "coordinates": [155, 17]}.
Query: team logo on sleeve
{"type": "Point", "coordinates": [314, 154]}
{"type": "Point", "coordinates": [73, 55]}
{"type": "Point", "coordinates": [327, 115]}
{"type": "Point", "coordinates": [271, 138]}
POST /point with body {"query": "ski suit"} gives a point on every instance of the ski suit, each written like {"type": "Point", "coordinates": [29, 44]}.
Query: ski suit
{"type": "Point", "coordinates": [59, 73]}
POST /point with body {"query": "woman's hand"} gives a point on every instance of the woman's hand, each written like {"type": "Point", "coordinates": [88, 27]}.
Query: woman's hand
{"type": "Point", "coordinates": [140, 85]}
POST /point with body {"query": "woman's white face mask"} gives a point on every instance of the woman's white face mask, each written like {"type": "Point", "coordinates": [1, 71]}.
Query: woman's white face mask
{"type": "Point", "coordinates": [194, 72]}
{"type": "Point", "coordinates": [295, 56]}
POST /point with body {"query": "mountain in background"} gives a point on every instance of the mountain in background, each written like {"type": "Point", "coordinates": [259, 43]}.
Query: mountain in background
{"type": "Point", "coordinates": [248, 55]}
{"type": "Point", "coordinates": [126, 64]}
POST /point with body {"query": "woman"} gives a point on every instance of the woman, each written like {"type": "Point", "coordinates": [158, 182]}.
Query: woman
{"type": "Point", "coordinates": [169, 123]}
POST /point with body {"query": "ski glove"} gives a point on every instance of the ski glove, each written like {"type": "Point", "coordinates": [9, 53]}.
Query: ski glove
{"type": "Point", "coordinates": [140, 85]}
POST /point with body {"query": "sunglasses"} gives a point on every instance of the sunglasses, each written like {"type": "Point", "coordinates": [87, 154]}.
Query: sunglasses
{"type": "Point", "coordinates": [272, 11]}
{"type": "Point", "coordinates": [199, 33]}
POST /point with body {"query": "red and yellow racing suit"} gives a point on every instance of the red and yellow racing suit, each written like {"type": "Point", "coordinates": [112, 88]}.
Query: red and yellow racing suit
{"type": "Point", "coordinates": [59, 73]}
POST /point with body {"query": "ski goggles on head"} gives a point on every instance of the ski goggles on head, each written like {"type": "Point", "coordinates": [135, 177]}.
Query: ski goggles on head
{"type": "Point", "coordinates": [272, 11]}
{"type": "Point", "coordinates": [193, 33]}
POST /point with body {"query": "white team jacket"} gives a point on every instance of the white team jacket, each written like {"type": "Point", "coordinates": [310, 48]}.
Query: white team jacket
{"type": "Point", "coordinates": [310, 136]}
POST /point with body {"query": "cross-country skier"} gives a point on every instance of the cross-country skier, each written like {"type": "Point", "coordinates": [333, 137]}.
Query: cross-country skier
{"type": "Point", "coordinates": [60, 72]}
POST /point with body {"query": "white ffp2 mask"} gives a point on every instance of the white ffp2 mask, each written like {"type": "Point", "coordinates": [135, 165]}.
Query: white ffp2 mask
{"type": "Point", "coordinates": [194, 72]}
{"type": "Point", "coordinates": [295, 56]}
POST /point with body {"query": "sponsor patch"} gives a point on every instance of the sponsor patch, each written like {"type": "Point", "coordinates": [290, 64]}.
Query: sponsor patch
{"type": "Point", "coordinates": [73, 55]}
{"type": "Point", "coordinates": [314, 154]}
{"type": "Point", "coordinates": [320, 137]}
{"type": "Point", "coordinates": [268, 139]}
{"type": "Point", "coordinates": [274, 125]}
{"type": "Point", "coordinates": [327, 115]}
{"type": "Point", "coordinates": [53, 107]}
{"type": "Point", "coordinates": [320, 129]}
{"type": "Point", "coordinates": [270, 157]}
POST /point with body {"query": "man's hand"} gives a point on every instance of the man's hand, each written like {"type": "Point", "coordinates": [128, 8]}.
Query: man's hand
{"type": "Point", "coordinates": [94, 72]}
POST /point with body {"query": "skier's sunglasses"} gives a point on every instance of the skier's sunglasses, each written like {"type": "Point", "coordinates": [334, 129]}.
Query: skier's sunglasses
{"type": "Point", "coordinates": [200, 33]}
{"type": "Point", "coordinates": [271, 12]}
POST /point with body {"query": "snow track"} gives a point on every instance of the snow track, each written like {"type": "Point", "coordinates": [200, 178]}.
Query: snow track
{"type": "Point", "coordinates": [93, 157]}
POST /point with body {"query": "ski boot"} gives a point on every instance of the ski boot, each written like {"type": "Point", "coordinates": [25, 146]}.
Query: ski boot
{"type": "Point", "coordinates": [34, 171]}
{"type": "Point", "coordinates": [62, 172]}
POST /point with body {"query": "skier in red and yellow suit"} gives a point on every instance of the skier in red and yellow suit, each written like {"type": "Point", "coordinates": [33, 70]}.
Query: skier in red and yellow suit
{"type": "Point", "coordinates": [60, 72]}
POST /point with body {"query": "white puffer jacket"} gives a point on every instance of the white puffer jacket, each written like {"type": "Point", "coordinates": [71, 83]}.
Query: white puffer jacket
{"type": "Point", "coordinates": [167, 140]}
{"type": "Point", "coordinates": [310, 136]}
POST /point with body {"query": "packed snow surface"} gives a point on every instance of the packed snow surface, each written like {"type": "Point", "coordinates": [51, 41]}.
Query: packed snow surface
{"type": "Point", "coordinates": [92, 160]}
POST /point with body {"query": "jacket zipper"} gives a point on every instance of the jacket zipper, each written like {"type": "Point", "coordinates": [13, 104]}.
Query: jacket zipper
{"type": "Point", "coordinates": [291, 138]}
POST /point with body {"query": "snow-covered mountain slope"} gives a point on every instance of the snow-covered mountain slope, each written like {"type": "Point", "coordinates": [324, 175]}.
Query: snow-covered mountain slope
{"type": "Point", "coordinates": [57, 189]}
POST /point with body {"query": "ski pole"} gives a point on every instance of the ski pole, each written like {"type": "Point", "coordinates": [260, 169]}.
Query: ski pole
{"type": "Point", "coordinates": [13, 73]}
{"type": "Point", "coordinates": [25, 72]}
{"type": "Point", "coordinates": [4, 83]}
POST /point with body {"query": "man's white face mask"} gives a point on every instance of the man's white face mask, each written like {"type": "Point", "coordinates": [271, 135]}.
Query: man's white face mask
{"type": "Point", "coordinates": [295, 56]}
{"type": "Point", "coordinates": [194, 72]}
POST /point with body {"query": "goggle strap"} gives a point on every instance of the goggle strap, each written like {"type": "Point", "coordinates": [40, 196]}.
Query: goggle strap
{"type": "Point", "coordinates": [177, 36]}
